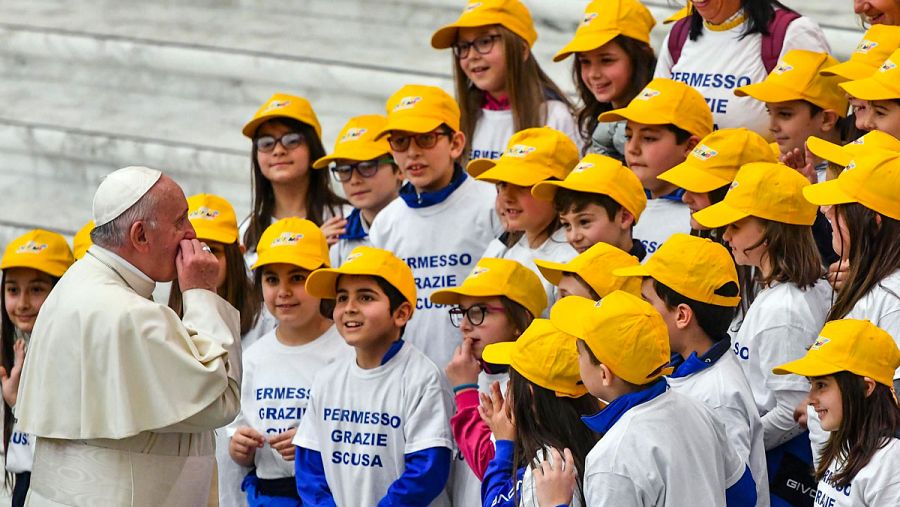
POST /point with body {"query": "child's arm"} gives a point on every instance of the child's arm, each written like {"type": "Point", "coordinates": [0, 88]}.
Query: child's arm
{"type": "Point", "coordinates": [310, 475]}
{"type": "Point", "coordinates": [472, 435]}
{"type": "Point", "coordinates": [743, 492]}
{"type": "Point", "coordinates": [423, 479]}
{"type": "Point", "coordinates": [499, 485]}
{"type": "Point", "coordinates": [10, 379]}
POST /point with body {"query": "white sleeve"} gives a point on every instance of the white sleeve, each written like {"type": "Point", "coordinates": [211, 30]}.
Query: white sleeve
{"type": "Point", "coordinates": [779, 425]}
{"type": "Point", "coordinates": [664, 61]}
{"type": "Point", "coordinates": [428, 409]}
{"type": "Point", "coordinates": [607, 488]}
{"type": "Point", "coordinates": [780, 344]}
{"type": "Point", "coordinates": [560, 118]}
{"type": "Point", "coordinates": [306, 433]}
{"type": "Point", "coordinates": [804, 33]}
{"type": "Point", "coordinates": [737, 429]}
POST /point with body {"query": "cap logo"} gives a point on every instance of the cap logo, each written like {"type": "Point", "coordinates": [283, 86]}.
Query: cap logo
{"type": "Point", "coordinates": [820, 341]}
{"type": "Point", "coordinates": [353, 256]}
{"type": "Point", "coordinates": [31, 248]}
{"type": "Point", "coordinates": [287, 238]}
{"type": "Point", "coordinates": [204, 213]}
{"type": "Point", "coordinates": [590, 16]}
{"type": "Point", "coordinates": [861, 140]}
{"type": "Point", "coordinates": [887, 65]}
{"type": "Point", "coordinates": [648, 93]}
{"type": "Point", "coordinates": [734, 184]}
{"type": "Point", "coordinates": [277, 104]}
{"type": "Point", "coordinates": [850, 166]}
{"type": "Point", "coordinates": [865, 45]}
{"type": "Point", "coordinates": [478, 271]}
{"type": "Point", "coordinates": [582, 167]}
{"type": "Point", "coordinates": [519, 151]}
{"type": "Point", "coordinates": [704, 152]}
{"type": "Point", "coordinates": [406, 103]}
{"type": "Point", "coordinates": [598, 303]}
{"type": "Point", "coordinates": [353, 134]}
{"type": "Point", "coordinates": [782, 68]}
{"type": "Point", "coordinates": [471, 7]}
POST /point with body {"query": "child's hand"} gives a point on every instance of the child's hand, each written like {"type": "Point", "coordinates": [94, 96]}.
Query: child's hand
{"type": "Point", "coordinates": [496, 412]}
{"type": "Point", "coordinates": [244, 444]}
{"type": "Point", "coordinates": [801, 160]}
{"type": "Point", "coordinates": [10, 380]}
{"type": "Point", "coordinates": [282, 443]}
{"type": "Point", "coordinates": [333, 228]}
{"type": "Point", "coordinates": [838, 272]}
{"type": "Point", "coordinates": [801, 416]}
{"type": "Point", "coordinates": [555, 479]}
{"type": "Point", "coordinates": [463, 368]}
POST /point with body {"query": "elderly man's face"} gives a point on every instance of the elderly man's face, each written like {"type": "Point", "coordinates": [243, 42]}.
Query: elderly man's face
{"type": "Point", "coordinates": [171, 225]}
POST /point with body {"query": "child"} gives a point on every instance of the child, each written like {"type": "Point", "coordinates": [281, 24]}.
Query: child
{"type": "Point", "coordinates": [864, 209]}
{"type": "Point", "coordinates": [693, 284]}
{"type": "Point", "coordinates": [500, 87]}
{"type": "Point", "coordinates": [82, 240]}
{"type": "Point", "coordinates": [665, 122]}
{"type": "Point", "coordinates": [532, 156]}
{"type": "Point", "coordinates": [658, 447]}
{"type": "Point", "coordinates": [599, 201]}
{"type": "Point", "coordinates": [378, 417]}
{"type": "Point", "coordinates": [443, 220]}
{"type": "Point", "coordinates": [542, 410]}
{"type": "Point", "coordinates": [279, 368]}
{"type": "Point", "coordinates": [769, 229]}
{"type": "Point", "coordinates": [850, 369]}
{"type": "Point", "coordinates": [369, 176]}
{"type": "Point", "coordinates": [590, 275]}
{"type": "Point", "coordinates": [494, 304]}
{"type": "Point", "coordinates": [882, 91]}
{"type": "Point", "coordinates": [613, 62]}
{"type": "Point", "coordinates": [31, 264]}
{"type": "Point", "coordinates": [801, 104]}
{"type": "Point", "coordinates": [287, 139]}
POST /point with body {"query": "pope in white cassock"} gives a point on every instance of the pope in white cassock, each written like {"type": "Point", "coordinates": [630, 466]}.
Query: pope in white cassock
{"type": "Point", "coordinates": [121, 393]}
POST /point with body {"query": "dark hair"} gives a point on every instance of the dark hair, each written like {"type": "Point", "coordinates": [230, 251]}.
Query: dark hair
{"type": "Point", "coordinates": [842, 126]}
{"type": "Point", "coordinates": [759, 14]}
{"type": "Point", "coordinates": [545, 420]}
{"type": "Point", "coordinates": [593, 359]}
{"type": "Point", "coordinates": [319, 195]}
{"type": "Point", "coordinates": [792, 253]}
{"type": "Point", "coordinates": [874, 254]}
{"type": "Point", "coordinates": [518, 315]}
{"type": "Point", "coordinates": [238, 290]}
{"type": "Point", "coordinates": [643, 62]}
{"type": "Point", "coordinates": [681, 135]}
{"type": "Point", "coordinates": [594, 295]}
{"type": "Point", "coordinates": [526, 84]}
{"type": "Point", "coordinates": [566, 200]}
{"type": "Point", "coordinates": [868, 424]}
{"type": "Point", "coordinates": [714, 320]}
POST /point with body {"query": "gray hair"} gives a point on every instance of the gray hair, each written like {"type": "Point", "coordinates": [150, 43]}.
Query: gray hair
{"type": "Point", "coordinates": [114, 234]}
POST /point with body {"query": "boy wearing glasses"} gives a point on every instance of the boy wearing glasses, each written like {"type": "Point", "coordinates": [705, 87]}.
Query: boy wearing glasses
{"type": "Point", "coordinates": [443, 220]}
{"type": "Point", "coordinates": [370, 177]}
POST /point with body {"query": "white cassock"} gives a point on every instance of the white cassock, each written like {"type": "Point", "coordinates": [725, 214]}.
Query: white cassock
{"type": "Point", "coordinates": [122, 394]}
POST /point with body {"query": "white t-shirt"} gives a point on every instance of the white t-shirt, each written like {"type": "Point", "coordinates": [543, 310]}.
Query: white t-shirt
{"type": "Point", "coordinates": [340, 250]}
{"type": "Point", "coordinates": [667, 452]}
{"type": "Point", "coordinates": [881, 305]}
{"type": "Point", "coordinates": [724, 389]}
{"type": "Point", "coordinates": [554, 249]}
{"type": "Point", "coordinates": [441, 243]}
{"type": "Point", "coordinates": [364, 422]}
{"type": "Point", "coordinates": [276, 388]}
{"type": "Point", "coordinates": [20, 455]}
{"type": "Point", "coordinates": [718, 62]}
{"type": "Point", "coordinates": [876, 485]}
{"type": "Point", "coordinates": [494, 128]}
{"type": "Point", "coordinates": [661, 219]}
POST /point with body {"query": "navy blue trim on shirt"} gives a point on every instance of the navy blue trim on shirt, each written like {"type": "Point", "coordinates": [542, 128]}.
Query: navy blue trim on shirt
{"type": "Point", "coordinates": [413, 199]}
{"type": "Point", "coordinates": [674, 196]}
{"type": "Point", "coordinates": [395, 348]}
{"type": "Point", "coordinates": [602, 421]}
{"type": "Point", "coordinates": [694, 364]}
{"type": "Point", "coordinates": [354, 228]}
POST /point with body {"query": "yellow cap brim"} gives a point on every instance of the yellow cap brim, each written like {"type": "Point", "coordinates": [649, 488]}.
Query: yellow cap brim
{"type": "Point", "coordinates": [685, 176]}
{"type": "Point", "coordinates": [719, 215]}
{"type": "Point", "coordinates": [479, 166]}
{"type": "Point", "coordinates": [768, 92]}
{"type": "Point", "coordinates": [306, 262]}
{"type": "Point", "coordinates": [807, 367]}
{"type": "Point", "coordinates": [451, 296]}
{"type": "Point", "coordinates": [414, 124]}
{"type": "Point", "coordinates": [513, 173]}
{"type": "Point", "coordinates": [869, 89]}
{"type": "Point", "coordinates": [499, 353]}
{"type": "Point", "coordinates": [552, 271]}
{"type": "Point", "coordinates": [546, 190]}
{"type": "Point", "coordinates": [827, 193]}
{"type": "Point", "coordinates": [635, 115]}
{"type": "Point", "coordinates": [445, 36]}
{"type": "Point", "coordinates": [51, 267]}
{"type": "Point", "coordinates": [850, 70]}
{"type": "Point", "coordinates": [639, 270]}
{"type": "Point", "coordinates": [226, 238]}
{"type": "Point", "coordinates": [828, 151]}
{"type": "Point", "coordinates": [250, 128]}
{"type": "Point", "coordinates": [355, 156]}
{"type": "Point", "coordinates": [567, 315]}
{"type": "Point", "coordinates": [585, 43]}
{"type": "Point", "coordinates": [322, 283]}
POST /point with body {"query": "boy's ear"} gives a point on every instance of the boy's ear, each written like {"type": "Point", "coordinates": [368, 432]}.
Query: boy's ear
{"type": "Point", "coordinates": [457, 144]}
{"type": "Point", "coordinates": [829, 120]}
{"type": "Point", "coordinates": [402, 314]}
{"type": "Point", "coordinates": [683, 316]}
{"type": "Point", "coordinates": [606, 375]}
{"type": "Point", "coordinates": [689, 144]}
{"type": "Point", "coordinates": [625, 219]}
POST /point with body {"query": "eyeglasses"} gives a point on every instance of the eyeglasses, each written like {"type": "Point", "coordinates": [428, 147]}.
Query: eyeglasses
{"type": "Point", "coordinates": [424, 141]}
{"type": "Point", "coordinates": [482, 44]}
{"type": "Point", "coordinates": [289, 141]}
{"type": "Point", "coordinates": [366, 169]}
{"type": "Point", "coordinates": [474, 313]}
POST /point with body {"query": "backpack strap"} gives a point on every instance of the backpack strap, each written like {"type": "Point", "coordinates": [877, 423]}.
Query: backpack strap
{"type": "Point", "coordinates": [773, 42]}
{"type": "Point", "coordinates": [677, 37]}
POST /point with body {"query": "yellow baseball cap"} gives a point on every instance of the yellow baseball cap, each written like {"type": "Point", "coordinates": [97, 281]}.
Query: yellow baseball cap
{"type": "Point", "coordinates": [213, 218]}
{"type": "Point", "coordinates": [499, 277]}
{"type": "Point", "coordinates": [544, 355]}
{"type": "Point", "coordinates": [715, 160]}
{"type": "Point", "coordinates": [45, 251]}
{"type": "Point", "coordinates": [857, 346]}
{"type": "Point", "coordinates": [284, 106]}
{"type": "Point", "coordinates": [764, 190]}
{"type": "Point", "coordinates": [883, 84]}
{"type": "Point", "coordinates": [693, 267]}
{"type": "Point", "coordinates": [622, 330]}
{"type": "Point", "coordinates": [664, 102]}
{"type": "Point", "coordinates": [680, 13]}
{"type": "Point", "coordinates": [871, 179]}
{"type": "Point", "coordinates": [797, 77]}
{"type": "Point", "coordinates": [420, 109]}
{"type": "Point", "coordinates": [874, 48]}
{"type": "Point", "coordinates": [295, 241]}
{"type": "Point", "coordinates": [604, 20]}
{"type": "Point", "coordinates": [531, 156]}
{"type": "Point", "coordinates": [510, 14]}
{"type": "Point", "coordinates": [842, 155]}
{"type": "Point", "coordinates": [599, 174]}
{"type": "Point", "coordinates": [82, 240]}
{"type": "Point", "coordinates": [357, 141]}
{"type": "Point", "coordinates": [366, 261]}
{"type": "Point", "coordinates": [597, 267]}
